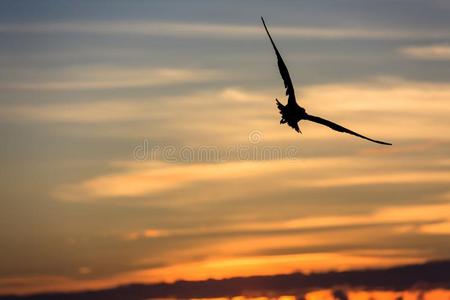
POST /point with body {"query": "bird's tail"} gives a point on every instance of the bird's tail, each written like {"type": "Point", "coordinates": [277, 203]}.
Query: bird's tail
{"type": "Point", "coordinates": [281, 109]}
{"type": "Point", "coordinates": [280, 106]}
{"type": "Point", "coordinates": [283, 120]}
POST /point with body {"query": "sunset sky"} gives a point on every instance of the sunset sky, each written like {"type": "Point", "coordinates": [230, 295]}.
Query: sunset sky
{"type": "Point", "coordinates": [141, 141]}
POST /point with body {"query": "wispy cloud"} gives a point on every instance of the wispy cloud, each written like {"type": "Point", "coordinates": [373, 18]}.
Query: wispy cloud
{"type": "Point", "coordinates": [156, 177]}
{"type": "Point", "coordinates": [100, 111]}
{"type": "Point", "coordinates": [374, 106]}
{"type": "Point", "coordinates": [137, 179]}
{"type": "Point", "coordinates": [81, 112]}
{"type": "Point", "coordinates": [428, 219]}
{"type": "Point", "coordinates": [215, 30]}
{"type": "Point", "coordinates": [383, 94]}
{"type": "Point", "coordinates": [110, 77]}
{"type": "Point", "coordinates": [431, 52]}
{"type": "Point", "coordinates": [387, 214]}
{"type": "Point", "coordinates": [393, 178]}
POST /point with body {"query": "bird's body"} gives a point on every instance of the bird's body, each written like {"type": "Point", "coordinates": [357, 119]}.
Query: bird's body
{"type": "Point", "coordinates": [292, 113]}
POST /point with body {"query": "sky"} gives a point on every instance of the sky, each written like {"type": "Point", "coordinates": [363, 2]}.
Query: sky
{"type": "Point", "coordinates": [141, 140]}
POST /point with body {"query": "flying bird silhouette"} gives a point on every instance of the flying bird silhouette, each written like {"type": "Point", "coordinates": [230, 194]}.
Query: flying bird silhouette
{"type": "Point", "coordinates": [292, 113]}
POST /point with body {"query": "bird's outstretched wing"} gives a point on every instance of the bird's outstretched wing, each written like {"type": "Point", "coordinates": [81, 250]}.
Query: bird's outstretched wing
{"type": "Point", "coordinates": [283, 71]}
{"type": "Point", "coordinates": [339, 128]}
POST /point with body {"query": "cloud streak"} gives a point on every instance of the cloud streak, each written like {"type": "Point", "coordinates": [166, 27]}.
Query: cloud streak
{"type": "Point", "coordinates": [373, 106]}
{"type": "Point", "coordinates": [111, 77]}
{"type": "Point", "coordinates": [156, 177]}
{"type": "Point", "coordinates": [137, 179]}
{"type": "Point", "coordinates": [433, 52]}
{"type": "Point", "coordinates": [214, 30]}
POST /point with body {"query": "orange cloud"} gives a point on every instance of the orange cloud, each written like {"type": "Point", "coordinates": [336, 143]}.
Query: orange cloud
{"type": "Point", "coordinates": [156, 177]}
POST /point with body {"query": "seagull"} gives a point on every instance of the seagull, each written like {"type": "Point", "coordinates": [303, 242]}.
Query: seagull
{"type": "Point", "coordinates": [292, 113]}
